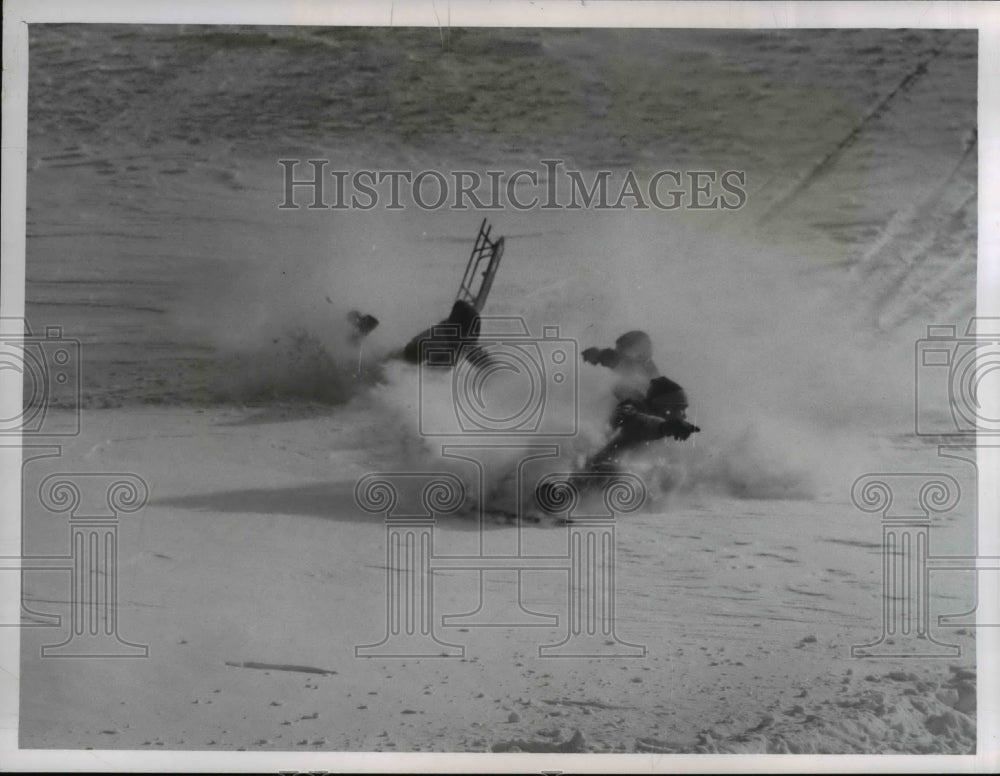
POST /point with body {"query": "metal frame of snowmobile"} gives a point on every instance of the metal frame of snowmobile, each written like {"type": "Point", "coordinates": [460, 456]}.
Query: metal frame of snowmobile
{"type": "Point", "coordinates": [484, 249]}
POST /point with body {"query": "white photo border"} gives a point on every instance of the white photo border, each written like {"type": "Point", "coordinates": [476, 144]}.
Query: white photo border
{"type": "Point", "coordinates": [18, 14]}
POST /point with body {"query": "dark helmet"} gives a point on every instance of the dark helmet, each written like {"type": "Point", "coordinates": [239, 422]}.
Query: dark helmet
{"type": "Point", "coordinates": [635, 344]}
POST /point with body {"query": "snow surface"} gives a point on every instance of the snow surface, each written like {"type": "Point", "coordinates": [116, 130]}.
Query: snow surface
{"type": "Point", "coordinates": [217, 367]}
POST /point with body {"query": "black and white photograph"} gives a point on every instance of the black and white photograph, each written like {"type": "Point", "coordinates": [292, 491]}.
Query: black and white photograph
{"type": "Point", "coordinates": [585, 385]}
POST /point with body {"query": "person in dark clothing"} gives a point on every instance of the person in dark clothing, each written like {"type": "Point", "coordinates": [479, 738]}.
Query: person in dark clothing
{"type": "Point", "coordinates": [361, 324]}
{"type": "Point", "coordinates": [447, 341]}
{"type": "Point", "coordinates": [650, 406]}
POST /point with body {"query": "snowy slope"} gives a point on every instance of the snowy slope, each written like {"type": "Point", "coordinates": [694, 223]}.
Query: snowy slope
{"type": "Point", "coordinates": [217, 367]}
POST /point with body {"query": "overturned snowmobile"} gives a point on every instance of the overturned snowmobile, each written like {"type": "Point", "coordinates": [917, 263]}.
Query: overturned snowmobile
{"type": "Point", "coordinates": [457, 335]}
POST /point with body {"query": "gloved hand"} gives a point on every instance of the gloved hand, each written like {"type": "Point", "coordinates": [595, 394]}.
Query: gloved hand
{"type": "Point", "coordinates": [678, 429]}
{"type": "Point", "coordinates": [592, 355]}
